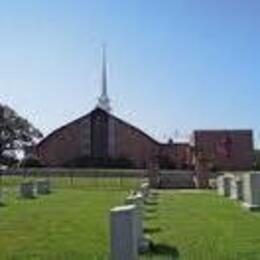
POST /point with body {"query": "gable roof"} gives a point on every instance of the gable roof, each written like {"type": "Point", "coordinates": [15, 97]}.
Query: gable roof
{"type": "Point", "coordinates": [80, 119]}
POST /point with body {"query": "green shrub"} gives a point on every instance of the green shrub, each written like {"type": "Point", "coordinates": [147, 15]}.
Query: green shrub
{"type": "Point", "coordinates": [85, 161]}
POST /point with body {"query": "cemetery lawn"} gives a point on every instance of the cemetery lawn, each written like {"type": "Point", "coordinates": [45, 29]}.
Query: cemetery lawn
{"type": "Point", "coordinates": [71, 223]}
{"type": "Point", "coordinates": [201, 225]}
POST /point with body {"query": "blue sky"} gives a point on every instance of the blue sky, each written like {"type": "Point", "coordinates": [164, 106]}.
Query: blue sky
{"type": "Point", "coordinates": [187, 64]}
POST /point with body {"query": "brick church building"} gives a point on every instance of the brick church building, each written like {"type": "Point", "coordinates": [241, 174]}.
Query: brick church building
{"type": "Point", "coordinates": [101, 139]}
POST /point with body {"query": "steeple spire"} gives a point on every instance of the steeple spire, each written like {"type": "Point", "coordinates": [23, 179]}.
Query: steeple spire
{"type": "Point", "coordinates": [104, 72]}
{"type": "Point", "coordinates": [103, 101]}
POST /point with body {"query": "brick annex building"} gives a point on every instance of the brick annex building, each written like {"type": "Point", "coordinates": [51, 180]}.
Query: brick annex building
{"type": "Point", "coordinates": [101, 139]}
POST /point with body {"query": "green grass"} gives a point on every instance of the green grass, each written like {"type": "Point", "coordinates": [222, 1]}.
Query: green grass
{"type": "Point", "coordinates": [202, 225]}
{"type": "Point", "coordinates": [73, 223]}
{"type": "Point", "coordinates": [76, 182]}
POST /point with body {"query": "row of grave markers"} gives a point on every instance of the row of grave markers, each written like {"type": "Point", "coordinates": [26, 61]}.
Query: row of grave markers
{"type": "Point", "coordinates": [30, 189]}
{"type": "Point", "coordinates": [126, 226]}
{"type": "Point", "coordinates": [245, 188]}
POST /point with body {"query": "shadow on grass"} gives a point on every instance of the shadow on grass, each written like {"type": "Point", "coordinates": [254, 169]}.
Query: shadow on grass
{"type": "Point", "coordinates": [150, 210]}
{"type": "Point", "coordinates": [255, 210]}
{"type": "Point", "coordinates": [151, 203]}
{"type": "Point", "coordinates": [154, 193]}
{"type": "Point", "coordinates": [149, 217]}
{"type": "Point", "coordinates": [28, 198]}
{"type": "Point", "coordinates": [152, 230]}
{"type": "Point", "coordinates": [2, 204]}
{"type": "Point", "coordinates": [161, 251]}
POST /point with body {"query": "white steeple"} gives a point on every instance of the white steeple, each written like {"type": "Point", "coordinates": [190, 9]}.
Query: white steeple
{"type": "Point", "coordinates": [103, 100]}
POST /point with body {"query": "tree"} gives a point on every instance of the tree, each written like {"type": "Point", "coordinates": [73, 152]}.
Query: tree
{"type": "Point", "coordinates": [15, 133]}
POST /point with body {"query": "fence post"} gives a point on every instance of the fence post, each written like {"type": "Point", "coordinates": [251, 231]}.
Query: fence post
{"type": "Point", "coordinates": [71, 178]}
{"type": "Point", "coordinates": [121, 182]}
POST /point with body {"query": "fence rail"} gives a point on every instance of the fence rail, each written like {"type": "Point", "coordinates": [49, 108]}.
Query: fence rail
{"type": "Point", "coordinates": [77, 172]}
{"type": "Point", "coordinates": [86, 179]}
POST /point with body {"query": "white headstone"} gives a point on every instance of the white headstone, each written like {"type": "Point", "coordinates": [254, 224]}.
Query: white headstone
{"type": "Point", "coordinates": [137, 200]}
{"type": "Point", "coordinates": [27, 190]}
{"type": "Point", "coordinates": [124, 244]}
{"type": "Point", "coordinates": [220, 185]}
{"type": "Point", "coordinates": [236, 188]}
{"type": "Point", "coordinates": [251, 190]}
{"type": "Point", "coordinates": [224, 185]}
{"type": "Point", "coordinates": [144, 189]}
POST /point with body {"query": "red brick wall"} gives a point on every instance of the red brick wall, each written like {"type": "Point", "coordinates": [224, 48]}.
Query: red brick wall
{"type": "Point", "coordinates": [168, 150]}
{"type": "Point", "coordinates": [178, 153]}
{"type": "Point", "coordinates": [231, 150]}
{"type": "Point", "coordinates": [183, 156]}
{"type": "Point", "coordinates": [64, 144]}
{"type": "Point", "coordinates": [69, 142]}
{"type": "Point", "coordinates": [131, 143]}
{"type": "Point", "coordinates": [227, 150]}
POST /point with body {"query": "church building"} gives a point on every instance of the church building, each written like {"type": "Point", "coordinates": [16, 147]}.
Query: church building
{"type": "Point", "coordinates": [100, 139]}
